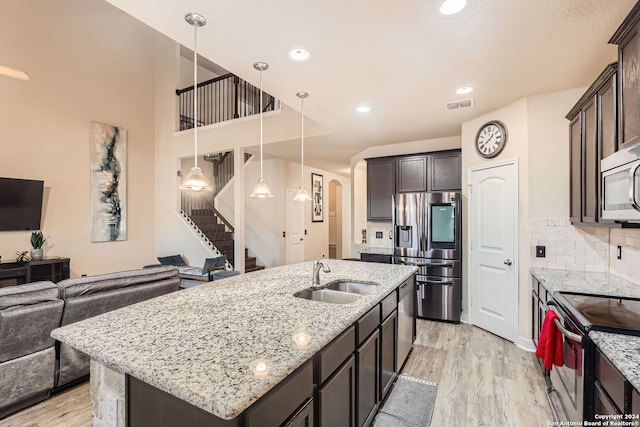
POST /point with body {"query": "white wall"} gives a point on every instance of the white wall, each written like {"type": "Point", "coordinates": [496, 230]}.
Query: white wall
{"type": "Point", "coordinates": [77, 76]}
{"type": "Point", "coordinates": [538, 138]}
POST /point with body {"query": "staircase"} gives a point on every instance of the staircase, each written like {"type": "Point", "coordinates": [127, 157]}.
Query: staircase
{"type": "Point", "coordinates": [250, 263]}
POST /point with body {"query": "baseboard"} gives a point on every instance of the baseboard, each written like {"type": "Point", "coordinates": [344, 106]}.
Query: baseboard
{"type": "Point", "coordinates": [464, 318]}
{"type": "Point", "coordinates": [526, 344]}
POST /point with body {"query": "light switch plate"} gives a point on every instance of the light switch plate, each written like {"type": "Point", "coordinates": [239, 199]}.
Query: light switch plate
{"type": "Point", "coordinates": [378, 234]}
{"type": "Point", "coordinates": [111, 410]}
{"type": "Point", "coordinates": [540, 251]}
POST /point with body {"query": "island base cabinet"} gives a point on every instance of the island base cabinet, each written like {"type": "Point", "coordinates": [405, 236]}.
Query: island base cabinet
{"type": "Point", "coordinates": [388, 343]}
{"type": "Point", "coordinates": [368, 360]}
{"type": "Point", "coordinates": [337, 398]}
{"type": "Point", "coordinates": [304, 417]}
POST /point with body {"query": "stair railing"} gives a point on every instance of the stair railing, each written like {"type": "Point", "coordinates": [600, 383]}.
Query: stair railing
{"type": "Point", "coordinates": [220, 99]}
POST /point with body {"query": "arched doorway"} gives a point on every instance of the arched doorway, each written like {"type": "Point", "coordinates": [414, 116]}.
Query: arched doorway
{"type": "Point", "coordinates": [335, 219]}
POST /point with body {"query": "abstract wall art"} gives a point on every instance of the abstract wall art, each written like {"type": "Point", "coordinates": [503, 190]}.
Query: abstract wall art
{"type": "Point", "coordinates": [108, 183]}
{"type": "Point", "coordinates": [316, 198]}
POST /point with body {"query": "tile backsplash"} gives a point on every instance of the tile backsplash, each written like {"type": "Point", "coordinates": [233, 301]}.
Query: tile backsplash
{"type": "Point", "coordinates": [585, 248]}
{"type": "Point", "coordinates": [385, 228]}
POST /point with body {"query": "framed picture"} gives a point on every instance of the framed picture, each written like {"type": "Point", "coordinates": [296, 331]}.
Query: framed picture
{"type": "Point", "coordinates": [316, 197]}
{"type": "Point", "coordinates": [108, 183]}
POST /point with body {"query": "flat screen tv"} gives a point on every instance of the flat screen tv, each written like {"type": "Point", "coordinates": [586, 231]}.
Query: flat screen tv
{"type": "Point", "coordinates": [20, 204]}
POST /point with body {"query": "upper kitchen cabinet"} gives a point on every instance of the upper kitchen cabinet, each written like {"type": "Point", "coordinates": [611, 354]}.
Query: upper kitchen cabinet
{"type": "Point", "coordinates": [380, 188]}
{"type": "Point", "coordinates": [628, 41]}
{"type": "Point", "coordinates": [412, 174]}
{"type": "Point", "coordinates": [592, 136]}
{"type": "Point", "coordinates": [445, 172]}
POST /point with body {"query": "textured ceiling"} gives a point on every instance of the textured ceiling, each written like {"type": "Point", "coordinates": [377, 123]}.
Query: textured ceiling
{"type": "Point", "coordinates": [403, 58]}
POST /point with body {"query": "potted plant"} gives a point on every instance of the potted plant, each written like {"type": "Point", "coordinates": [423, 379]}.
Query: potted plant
{"type": "Point", "coordinates": [37, 240]}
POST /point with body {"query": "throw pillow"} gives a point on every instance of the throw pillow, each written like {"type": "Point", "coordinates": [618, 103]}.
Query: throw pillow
{"type": "Point", "coordinates": [172, 260]}
{"type": "Point", "coordinates": [213, 262]}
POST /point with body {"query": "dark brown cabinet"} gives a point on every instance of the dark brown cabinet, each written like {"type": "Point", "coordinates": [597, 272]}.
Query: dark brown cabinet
{"type": "Point", "coordinates": [304, 417]}
{"type": "Point", "coordinates": [368, 374]}
{"type": "Point", "coordinates": [380, 188]}
{"type": "Point", "coordinates": [592, 133]}
{"type": "Point", "coordinates": [412, 174]}
{"type": "Point", "coordinates": [386, 176]}
{"type": "Point", "coordinates": [337, 397]}
{"type": "Point", "coordinates": [539, 297]}
{"type": "Point", "coordinates": [54, 269]}
{"type": "Point", "coordinates": [383, 259]}
{"type": "Point", "coordinates": [628, 41]}
{"type": "Point", "coordinates": [388, 345]}
{"type": "Point", "coordinates": [445, 172]}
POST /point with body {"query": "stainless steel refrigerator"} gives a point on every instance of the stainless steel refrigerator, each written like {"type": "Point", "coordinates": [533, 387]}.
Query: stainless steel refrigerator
{"type": "Point", "coordinates": [427, 233]}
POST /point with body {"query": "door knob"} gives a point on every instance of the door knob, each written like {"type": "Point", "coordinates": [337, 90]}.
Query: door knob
{"type": "Point", "coordinates": [507, 262]}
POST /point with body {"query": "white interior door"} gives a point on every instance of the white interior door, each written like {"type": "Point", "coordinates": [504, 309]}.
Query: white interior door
{"type": "Point", "coordinates": [493, 222]}
{"type": "Point", "coordinates": [295, 229]}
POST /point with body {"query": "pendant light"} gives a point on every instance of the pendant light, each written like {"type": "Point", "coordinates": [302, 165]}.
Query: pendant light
{"type": "Point", "coordinates": [195, 180]}
{"type": "Point", "coordinates": [261, 190]}
{"type": "Point", "coordinates": [302, 195]}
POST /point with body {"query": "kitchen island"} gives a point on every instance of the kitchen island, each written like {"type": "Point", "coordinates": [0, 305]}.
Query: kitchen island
{"type": "Point", "coordinates": [224, 345]}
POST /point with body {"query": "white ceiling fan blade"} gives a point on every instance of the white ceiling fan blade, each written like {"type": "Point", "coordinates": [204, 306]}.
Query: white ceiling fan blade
{"type": "Point", "coordinates": [16, 73]}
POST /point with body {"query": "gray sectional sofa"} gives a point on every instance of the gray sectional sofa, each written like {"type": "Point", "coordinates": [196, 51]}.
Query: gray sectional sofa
{"type": "Point", "coordinates": [32, 364]}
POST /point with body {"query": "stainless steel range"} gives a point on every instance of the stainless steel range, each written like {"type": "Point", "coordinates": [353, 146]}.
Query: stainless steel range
{"type": "Point", "coordinates": [580, 313]}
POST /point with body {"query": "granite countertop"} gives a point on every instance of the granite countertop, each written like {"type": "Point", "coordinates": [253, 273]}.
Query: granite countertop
{"type": "Point", "coordinates": [202, 344]}
{"type": "Point", "coordinates": [585, 282]}
{"type": "Point", "coordinates": [623, 351]}
{"type": "Point", "coordinates": [379, 251]}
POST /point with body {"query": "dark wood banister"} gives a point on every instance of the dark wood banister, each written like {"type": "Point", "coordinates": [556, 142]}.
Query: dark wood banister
{"type": "Point", "coordinates": [208, 82]}
{"type": "Point", "coordinates": [222, 218]}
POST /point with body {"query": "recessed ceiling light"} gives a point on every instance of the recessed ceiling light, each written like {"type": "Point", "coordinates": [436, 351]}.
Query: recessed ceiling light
{"type": "Point", "coordinates": [464, 89]}
{"type": "Point", "coordinates": [363, 109]}
{"type": "Point", "coordinates": [299, 54]}
{"type": "Point", "coordinates": [449, 7]}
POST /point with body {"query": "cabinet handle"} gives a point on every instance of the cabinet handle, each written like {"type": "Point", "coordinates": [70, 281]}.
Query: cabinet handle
{"type": "Point", "coordinates": [632, 187]}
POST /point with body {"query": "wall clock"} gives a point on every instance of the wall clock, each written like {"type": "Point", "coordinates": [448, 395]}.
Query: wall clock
{"type": "Point", "coordinates": [491, 139]}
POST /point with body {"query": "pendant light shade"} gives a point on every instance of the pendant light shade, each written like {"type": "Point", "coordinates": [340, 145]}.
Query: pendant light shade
{"type": "Point", "coordinates": [195, 180]}
{"type": "Point", "coordinates": [302, 195]}
{"type": "Point", "coordinates": [261, 190]}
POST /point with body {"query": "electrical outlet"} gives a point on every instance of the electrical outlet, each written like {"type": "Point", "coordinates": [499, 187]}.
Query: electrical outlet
{"type": "Point", "coordinates": [378, 234]}
{"type": "Point", "coordinates": [619, 252]}
{"type": "Point", "coordinates": [111, 410]}
{"type": "Point", "coordinates": [540, 251]}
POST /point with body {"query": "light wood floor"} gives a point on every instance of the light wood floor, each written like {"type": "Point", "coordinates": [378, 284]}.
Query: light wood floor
{"type": "Point", "coordinates": [482, 380]}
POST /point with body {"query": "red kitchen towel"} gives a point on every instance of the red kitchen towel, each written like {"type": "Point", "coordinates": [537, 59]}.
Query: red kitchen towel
{"type": "Point", "coordinates": [550, 342]}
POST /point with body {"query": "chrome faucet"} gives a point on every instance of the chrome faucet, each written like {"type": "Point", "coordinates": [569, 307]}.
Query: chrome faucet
{"type": "Point", "coordinates": [317, 265]}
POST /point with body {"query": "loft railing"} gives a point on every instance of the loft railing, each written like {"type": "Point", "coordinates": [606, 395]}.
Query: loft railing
{"type": "Point", "coordinates": [223, 98]}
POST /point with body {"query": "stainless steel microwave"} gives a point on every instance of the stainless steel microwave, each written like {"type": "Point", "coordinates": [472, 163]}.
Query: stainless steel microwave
{"type": "Point", "coordinates": [620, 174]}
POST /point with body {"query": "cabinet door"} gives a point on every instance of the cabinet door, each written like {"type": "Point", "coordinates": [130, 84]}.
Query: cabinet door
{"type": "Point", "coordinates": [608, 118]}
{"type": "Point", "coordinates": [635, 402]}
{"type": "Point", "coordinates": [591, 164]}
{"type": "Point", "coordinates": [412, 174]}
{"type": "Point", "coordinates": [304, 417]}
{"type": "Point", "coordinates": [388, 340]}
{"type": "Point", "coordinates": [445, 172]}
{"type": "Point", "coordinates": [629, 92]}
{"type": "Point", "coordinates": [380, 188]}
{"type": "Point", "coordinates": [575, 188]}
{"type": "Point", "coordinates": [337, 397]}
{"type": "Point", "coordinates": [368, 362]}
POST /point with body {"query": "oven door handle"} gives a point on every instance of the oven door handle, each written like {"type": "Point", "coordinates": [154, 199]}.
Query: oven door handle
{"type": "Point", "coordinates": [632, 186]}
{"type": "Point", "coordinates": [573, 337]}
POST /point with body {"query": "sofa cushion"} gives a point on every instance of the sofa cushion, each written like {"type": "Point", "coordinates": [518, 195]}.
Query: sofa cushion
{"type": "Point", "coordinates": [29, 294]}
{"type": "Point", "coordinates": [123, 279]}
{"type": "Point", "coordinates": [172, 260]}
{"type": "Point", "coordinates": [26, 380]}
{"type": "Point", "coordinates": [28, 314]}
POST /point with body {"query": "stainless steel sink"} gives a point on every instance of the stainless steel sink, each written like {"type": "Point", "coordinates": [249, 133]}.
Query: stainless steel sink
{"type": "Point", "coordinates": [352, 287]}
{"type": "Point", "coordinates": [327, 295]}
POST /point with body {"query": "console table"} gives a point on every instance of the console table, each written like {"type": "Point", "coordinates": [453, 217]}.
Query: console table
{"type": "Point", "coordinates": [54, 269]}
